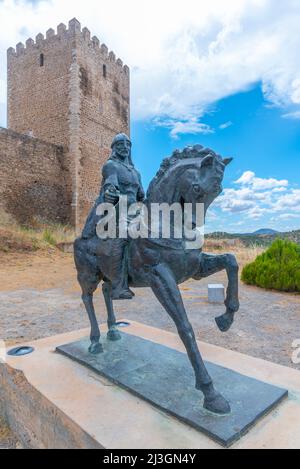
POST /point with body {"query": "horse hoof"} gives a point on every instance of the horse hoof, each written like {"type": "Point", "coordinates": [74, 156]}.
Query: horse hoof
{"type": "Point", "coordinates": [224, 322]}
{"type": "Point", "coordinates": [217, 405]}
{"type": "Point", "coordinates": [113, 334]}
{"type": "Point", "coordinates": [95, 348]}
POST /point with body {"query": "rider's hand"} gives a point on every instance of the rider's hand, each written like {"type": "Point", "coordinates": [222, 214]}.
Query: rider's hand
{"type": "Point", "coordinates": [111, 195]}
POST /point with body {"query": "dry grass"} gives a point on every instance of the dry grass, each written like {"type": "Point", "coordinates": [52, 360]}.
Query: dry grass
{"type": "Point", "coordinates": [14, 238]}
{"type": "Point", "coordinates": [244, 254]}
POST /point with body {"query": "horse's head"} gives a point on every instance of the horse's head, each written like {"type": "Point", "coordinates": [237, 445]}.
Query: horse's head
{"type": "Point", "coordinates": [193, 175]}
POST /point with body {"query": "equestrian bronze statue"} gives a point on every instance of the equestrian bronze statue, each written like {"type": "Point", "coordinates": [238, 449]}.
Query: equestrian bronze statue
{"type": "Point", "coordinates": [191, 176]}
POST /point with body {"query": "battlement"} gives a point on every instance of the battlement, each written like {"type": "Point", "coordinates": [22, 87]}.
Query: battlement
{"type": "Point", "coordinates": [63, 33]}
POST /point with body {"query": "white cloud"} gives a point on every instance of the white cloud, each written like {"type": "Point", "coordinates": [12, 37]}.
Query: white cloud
{"type": "Point", "coordinates": [287, 216]}
{"type": "Point", "coordinates": [211, 216]}
{"type": "Point", "coordinates": [288, 201]}
{"type": "Point", "coordinates": [246, 193]}
{"type": "Point", "coordinates": [235, 205]}
{"type": "Point", "coordinates": [271, 183]}
{"type": "Point", "coordinates": [258, 197]}
{"type": "Point", "coordinates": [246, 177]}
{"type": "Point", "coordinates": [234, 201]}
{"type": "Point", "coordinates": [243, 200]}
{"type": "Point", "coordinates": [190, 127]}
{"type": "Point", "coordinates": [184, 127]}
{"type": "Point", "coordinates": [183, 57]}
{"type": "Point", "coordinates": [292, 115]}
{"type": "Point", "coordinates": [225, 125]}
{"type": "Point", "coordinates": [256, 212]}
{"type": "Point", "coordinates": [256, 183]}
{"type": "Point", "coordinates": [279, 189]}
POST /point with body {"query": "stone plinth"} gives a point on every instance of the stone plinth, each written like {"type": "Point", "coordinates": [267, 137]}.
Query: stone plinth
{"type": "Point", "coordinates": [51, 401]}
{"type": "Point", "coordinates": [165, 378]}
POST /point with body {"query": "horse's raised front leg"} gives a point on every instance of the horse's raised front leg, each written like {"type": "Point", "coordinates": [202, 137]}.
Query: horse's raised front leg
{"type": "Point", "coordinates": [210, 264]}
{"type": "Point", "coordinates": [113, 333]}
{"type": "Point", "coordinates": [166, 290]}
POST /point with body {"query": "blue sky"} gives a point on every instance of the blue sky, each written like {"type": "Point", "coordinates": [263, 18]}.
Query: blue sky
{"type": "Point", "coordinates": [223, 74]}
{"type": "Point", "coordinates": [258, 137]}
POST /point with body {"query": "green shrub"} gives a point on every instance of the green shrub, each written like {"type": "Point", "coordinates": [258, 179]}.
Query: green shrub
{"type": "Point", "coordinates": [277, 268]}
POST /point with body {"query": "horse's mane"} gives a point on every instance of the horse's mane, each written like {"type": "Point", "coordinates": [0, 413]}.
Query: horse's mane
{"type": "Point", "coordinates": [189, 152]}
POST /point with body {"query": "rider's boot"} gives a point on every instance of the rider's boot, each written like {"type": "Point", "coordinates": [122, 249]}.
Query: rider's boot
{"type": "Point", "coordinates": [124, 294]}
{"type": "Point", "coordinates": [120, 289]}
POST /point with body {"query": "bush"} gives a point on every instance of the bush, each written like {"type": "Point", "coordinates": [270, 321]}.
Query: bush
{"type": "Point", "coordinates": [277, 268]}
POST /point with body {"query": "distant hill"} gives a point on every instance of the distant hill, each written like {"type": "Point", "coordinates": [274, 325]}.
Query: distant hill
{"type": "Point", "coordinates": [265, 231]}
{"type": "Point", "coordinates": [262, 231]}
{"type": "Point", "coordinates": [263, 237]}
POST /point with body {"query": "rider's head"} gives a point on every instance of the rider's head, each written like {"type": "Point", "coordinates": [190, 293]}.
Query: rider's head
{"type": "Point", "coordinates": [121, 147]}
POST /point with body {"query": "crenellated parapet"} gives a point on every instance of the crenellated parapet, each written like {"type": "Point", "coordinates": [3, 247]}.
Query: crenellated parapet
{"type": "Point", "coordinates": [11, 52]}
{"type": "Point", "coordinates": [65, 33]}
{"type": "Point", "coordinates": [61, 29]}
{"type": "Point", "coordinates": [29, 43]}
{"type": "Point", "coordinates": [102, 50]}
{"type": "Point", "coordinates": [20, 49]}
{"type": "Point", "coordinates": [86, 34]}
{"type": "Point", "coordinates": [39, 39]}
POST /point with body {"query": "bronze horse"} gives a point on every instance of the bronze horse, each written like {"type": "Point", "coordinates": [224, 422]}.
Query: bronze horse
{"type": "Point", "coordinates": [193, 175]}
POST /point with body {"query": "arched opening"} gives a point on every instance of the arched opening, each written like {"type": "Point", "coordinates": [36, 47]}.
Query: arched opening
{"type": "Point", "coordinates": [104, 70]}
{"type": "Point", "coordinates": [41, 60]}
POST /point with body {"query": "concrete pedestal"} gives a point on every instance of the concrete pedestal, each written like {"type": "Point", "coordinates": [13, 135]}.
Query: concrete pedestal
{"type": "Point", "coordinates": [51, 401]}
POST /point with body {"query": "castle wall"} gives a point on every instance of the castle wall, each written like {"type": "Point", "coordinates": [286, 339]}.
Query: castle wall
{"type": "Point", "coordinates": [38, 96]}
{"type": "Point", "coordinates": [75, 94]}
{"type": "Point", "coordinates": [32, 179]}
{"type": "Point", "coordinates": [104, 112]}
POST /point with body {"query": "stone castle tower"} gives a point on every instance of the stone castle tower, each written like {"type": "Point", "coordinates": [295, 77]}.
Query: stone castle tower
{"type": "Point", "coordinates": [68, 90]}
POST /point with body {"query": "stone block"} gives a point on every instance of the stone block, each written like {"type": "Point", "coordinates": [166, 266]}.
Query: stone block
{"type": "Point", "coordinates": [216, 293]}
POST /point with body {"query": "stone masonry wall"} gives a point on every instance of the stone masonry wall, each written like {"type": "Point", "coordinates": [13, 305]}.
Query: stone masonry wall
{"type": "Point", "coordinates": [38, 95]}
{"type": "Point", "coordinates": [32, 179]}
{"type": "Point", "coordinates": [38, 101]}
{"type": "Point", "coordinates": [69, 90]}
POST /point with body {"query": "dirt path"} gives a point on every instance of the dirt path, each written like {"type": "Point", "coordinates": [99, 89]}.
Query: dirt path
{"type": "Point", "coordinates": [38, 270]}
